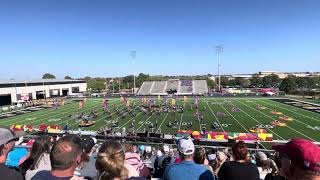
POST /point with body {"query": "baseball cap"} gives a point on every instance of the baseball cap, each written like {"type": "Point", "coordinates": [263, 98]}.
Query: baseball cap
{"type": "Point", "coordinates": [186, 146]}
{"type": "Point", "coordinates": [261, 156]}
{"type": "Point", "coordinates": [7, 135]}
{"type": "Point", "coordinates": [302, 153]}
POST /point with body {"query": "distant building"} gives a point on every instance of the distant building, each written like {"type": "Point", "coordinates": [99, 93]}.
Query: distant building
{"type": "Point", "coordinates": [281, 75]}
{"type": "Point", "coordinates": [12, 91]}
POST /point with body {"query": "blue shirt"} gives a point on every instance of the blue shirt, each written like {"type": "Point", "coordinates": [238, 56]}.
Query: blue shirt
{"type": "Point", "coordinates": [15, 155]}
{"type": "Point", "coordinates": [187, 170]}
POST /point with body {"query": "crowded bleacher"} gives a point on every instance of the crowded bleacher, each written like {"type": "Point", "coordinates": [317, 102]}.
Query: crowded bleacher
{"type": "Point", "coordinates": [85, 157]}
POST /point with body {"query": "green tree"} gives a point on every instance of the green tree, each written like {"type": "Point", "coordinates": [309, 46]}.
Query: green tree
{"type": "Point", "coordinates": [256, 80]}
{"type": "Point", "coordinates": [271, 80]}
{"type": "Point", "coordinates": [211, 83]}
{"type": "Point", "coordinates": [48, 76]}
{"type": "Point", "coordinates": [96, 84]}
{"type": "Point", "coordinates": [288, 84]}
{"type": "Point", "coordinates": [67, 77]}
{"type": "Point", "coordinates": [242, 82]}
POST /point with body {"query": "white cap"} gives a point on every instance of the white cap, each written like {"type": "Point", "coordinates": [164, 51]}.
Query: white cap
{"type": "Point", "coordinates": [186, 146]}
{"type": "Point", "coordinates": [166, 148]}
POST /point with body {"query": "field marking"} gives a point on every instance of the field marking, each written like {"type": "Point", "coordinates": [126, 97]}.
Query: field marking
{"type": "Point", "coordinates": [285, 126]}
{"type": "Point", "coordinates": [42, 113]}
{"type": "Point", "coordinates": [231, 116]}
{"type": "Point", "coordinates": [181, 121]}
{"type": "Point", "coordinates": [258, 121]}
{"type": "Point", "coordinates": [162, 122]}
{"type": "Point", "coordinates": [85, 109]}
{"type": "Point", "coordinates": [294, 111]}
{"type": "Point", "coordinates": [114, 112]}
{"type": "Point", "coordinates": [128, 121]}
{"type": "Point", "coordinates": [102, 114]}
{"type": "Point", "coordinates": [144, 122]}
{"type": "Point", "coordinates": [56, 113]}
{"type": "Point", "coordinates": [214, 115]}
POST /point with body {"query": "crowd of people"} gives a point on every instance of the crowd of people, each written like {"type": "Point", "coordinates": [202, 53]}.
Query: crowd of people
{"type": "Point", "coordinates": [77, 158]}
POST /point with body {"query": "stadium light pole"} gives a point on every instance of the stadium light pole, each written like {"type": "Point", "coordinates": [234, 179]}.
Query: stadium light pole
{"type": "Point", "coordinates": [133, 56]}
{"type": "Point", "coordinates": [219, 51]}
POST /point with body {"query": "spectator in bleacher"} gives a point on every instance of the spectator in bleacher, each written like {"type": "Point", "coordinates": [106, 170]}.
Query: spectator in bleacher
{"type": "Point", "coordinates": [265, 165]}
{"type": "Point", "coordinates": [163, 161]}
{"type": "Point", "coordinates": [302, 158]}
{"type": "Point", "coordinates": [65, 157]}
{"type": "Point", "coordinates": [201, 159]}
{"type": "Point", "coordinates": [282, 163]}
{"type": "Point", "coordinates": [7, 142]}
{"type": "Point", "coordinates": [29, 145]}
{"type": "Point", "coordinates": [39, 158]}
{"type": "Point", "coordinates": [87, 166]}
{"type": "Point", "coordinates": [187, 169]}
{"type": "Point", "coordinates": [111, 163]}
{"type": "Point", "coordinates": [134, 159]}
{"type": "Point", "coordinates": [221, 158]}
{"type": "Point", "coordinates": [240, 168]}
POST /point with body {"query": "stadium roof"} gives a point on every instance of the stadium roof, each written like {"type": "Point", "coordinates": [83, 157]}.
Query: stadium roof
{"type": "Point", "coordinates": [39, 81]}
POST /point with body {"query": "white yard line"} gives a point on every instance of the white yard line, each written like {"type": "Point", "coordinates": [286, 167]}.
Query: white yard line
{"type": "Point", "coordinates": [293, 111]}
{"type": "Point", "coordinates": [129, 120]}
{"type": "Point", "coordinates": [215, 116]}
{"type": "Point", "coordinates": [285, 126]}
{"type": "Point", "coordinates": [162, 122]}
{"type": "Point", "coordinates": [232, 116]}
{"type": "Point", "coordinates": [181, 121]}
{"type": "Point", "coordinates": [144, 122]}
{"type": "Point", "coordinates": [257, 120]}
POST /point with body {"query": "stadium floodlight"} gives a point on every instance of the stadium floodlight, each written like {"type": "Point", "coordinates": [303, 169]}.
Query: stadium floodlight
{"type": "Point", "coordinates": [219, 51]}
{"type": "Point", "coordinates": [133, 56]}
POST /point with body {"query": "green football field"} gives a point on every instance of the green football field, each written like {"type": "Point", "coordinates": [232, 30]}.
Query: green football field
{"type": "Point", "coordinates": [252, 112]}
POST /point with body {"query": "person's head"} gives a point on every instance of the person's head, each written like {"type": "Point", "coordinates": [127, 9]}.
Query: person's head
{"type": "Point", "coordinates": [199, 155]}
{"type": "Point", "coordinates": [240, 151]}
{"type": "Point", "coordinates": [165, 149]}
{"type": "Point", "coordinates": [186, 149]}
{"type": "Point", "coordinates": [40, 145]}
{"type": "Point", "coordinates": [302, 157]}
{"type": "Point", "coordinates": [221, 156]}
{"type": "Point", "coordinates": [66, 153]}
{"type": "Point", "coordinates": [262, 160]}
{"type": "Point", "coordinates": [110, 161]}
{"type": "Point", "coordinates": [8, 138]}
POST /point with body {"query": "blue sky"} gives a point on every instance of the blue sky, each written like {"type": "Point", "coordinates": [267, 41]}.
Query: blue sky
{"type": "Point", "coordinates": [94, 38]}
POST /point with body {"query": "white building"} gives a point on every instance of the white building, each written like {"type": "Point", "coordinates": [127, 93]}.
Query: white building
{"type": "Point", "coordinates": [12, 91]}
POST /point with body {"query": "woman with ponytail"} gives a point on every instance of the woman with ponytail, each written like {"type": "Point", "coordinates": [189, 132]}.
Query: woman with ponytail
{"type": "Point", "coordinates": [111, 164]}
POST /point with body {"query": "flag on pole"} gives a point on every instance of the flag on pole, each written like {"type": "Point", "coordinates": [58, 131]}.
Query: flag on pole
{"type": "Point", "coordinates": [80, 104]}
{"type": "Point", "coordinates": [173, 101]}
{"type": "Point", "coordinates": [145, 100]}
{"type": "Point", "coordinates": [196, 101]}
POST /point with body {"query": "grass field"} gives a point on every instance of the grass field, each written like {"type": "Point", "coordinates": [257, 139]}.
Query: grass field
{"type": "Point", "coordinates": [249, 116]}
